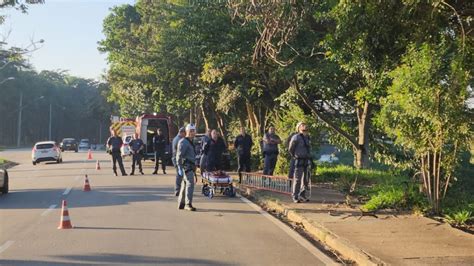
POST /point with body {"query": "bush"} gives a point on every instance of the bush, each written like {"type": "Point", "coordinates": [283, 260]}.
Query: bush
{"type": "Point", "coordinates": [459, 218]}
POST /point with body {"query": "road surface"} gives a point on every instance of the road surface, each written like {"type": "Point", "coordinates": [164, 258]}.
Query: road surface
{"type": "Point", "coordinates": [132, 220]}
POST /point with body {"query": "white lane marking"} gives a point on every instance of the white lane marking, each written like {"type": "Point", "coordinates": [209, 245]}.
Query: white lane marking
{"type": "Point", "coordinates": [52, 207]}
{"type": "Point", "coordinates": [67, 191]}
{"type": "Point", "coordinates": [6, 245]}
{"type": "Point", "coordinates": [301, 240]}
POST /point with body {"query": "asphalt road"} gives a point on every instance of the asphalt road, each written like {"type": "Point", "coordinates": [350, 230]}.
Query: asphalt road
{"type": "Point", "coordinates": [132, 220]}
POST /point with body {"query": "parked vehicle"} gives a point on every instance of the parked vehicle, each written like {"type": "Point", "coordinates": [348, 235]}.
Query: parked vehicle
{"type": "Point", "coordinates": [69, 144]}
{"type": "Point", "coordinates": [125, 149]}
{"type": "Point", "coordinates": [46, 151]}
{"type": "Point", "coordinates": [3, 181]}
{"type": "Point", "coordinates": [84, 144]}
{"type": "Point", "coordinates": [328, 158]}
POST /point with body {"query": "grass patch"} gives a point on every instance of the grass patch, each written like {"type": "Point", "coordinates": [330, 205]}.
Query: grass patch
{"type": "Point", "coordinates": [377, 189]}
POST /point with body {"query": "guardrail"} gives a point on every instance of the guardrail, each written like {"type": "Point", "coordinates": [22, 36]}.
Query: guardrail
{"type": "Point", "coordinates": [278, 184]}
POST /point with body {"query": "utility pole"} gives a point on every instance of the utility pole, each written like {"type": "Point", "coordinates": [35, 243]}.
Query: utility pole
{"type": "Point", "coordinates": [18, 139]}
{"type": "Point", "coordinates": [50, 120]}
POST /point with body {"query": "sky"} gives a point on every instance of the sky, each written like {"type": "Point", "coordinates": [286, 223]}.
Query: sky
{"type": "Point", "coordinates": [70, 30]}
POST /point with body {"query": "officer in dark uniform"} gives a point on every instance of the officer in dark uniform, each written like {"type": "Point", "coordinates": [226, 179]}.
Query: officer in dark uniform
{"type": "Point", "coordinates": [159, 146]}
{"type": "Point", "coordinates": [243, 144]}
{"type": "Point", "coordinates": [113, 146]}
{"type": "Point", "coordinates": [137, 145]}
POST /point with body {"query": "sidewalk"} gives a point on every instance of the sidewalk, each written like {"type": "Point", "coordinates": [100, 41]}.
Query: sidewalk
{"type": "Point", "coordinates": [388, 239]}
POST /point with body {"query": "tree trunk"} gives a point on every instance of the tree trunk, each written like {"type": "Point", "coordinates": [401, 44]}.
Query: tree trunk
{"type": "Point", "coordinates": [205, 116]}
{"type": "Point", "coordinates": [362, 149]}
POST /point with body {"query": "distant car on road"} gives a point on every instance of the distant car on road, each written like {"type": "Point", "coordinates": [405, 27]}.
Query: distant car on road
{"type": "Point", "coordinates": [328, 158]}
{"type": "Point", "coordinates": [84, 144]}
{"type": "Point", "coordinates": [69, 144]}
{"type": "Point", "coordinates": [125, 149]}
{"type": "Point", "coordinates": [46, 151]}
{"type": "Point", "coordinates": [3, 181]}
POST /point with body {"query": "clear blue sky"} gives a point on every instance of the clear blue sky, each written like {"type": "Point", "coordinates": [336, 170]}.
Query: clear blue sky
{"type": "Point", "coordinates": [70, 29]}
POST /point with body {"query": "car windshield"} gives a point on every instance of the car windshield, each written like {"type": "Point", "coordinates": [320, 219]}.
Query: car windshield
{"type": "Point", "coordinates": [44, 146]}
{"type": "Point", "coordinates": [68, 141]}
{"type": "Point", "coordinates": [84, 141]}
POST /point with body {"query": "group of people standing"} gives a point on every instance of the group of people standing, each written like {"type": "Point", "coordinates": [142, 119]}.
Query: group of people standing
{"type": "Point", "coordinates": [213, 147]}
{"type": "Point", "coordinates": [137, 146]}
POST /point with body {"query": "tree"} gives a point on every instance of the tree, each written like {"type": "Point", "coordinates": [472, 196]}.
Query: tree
{"type": "Point", "coordinates": [425, 111]}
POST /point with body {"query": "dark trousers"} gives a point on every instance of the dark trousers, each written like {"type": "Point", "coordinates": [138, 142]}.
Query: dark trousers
{"type": "Point", "coordinates": [291, 172]}
{"type": "Point", "coordinates": [160, 156]}
{"type": "Point", "coordinates": [213, 163]}
{"type": "Point", "coordinates": [269, 163]}
{"type": "Point", "coordinates": [117, 157]}
{"type": "Point", "coordinates": [244, 165]}
{"type": "Point", "coordinates": [137, 159]}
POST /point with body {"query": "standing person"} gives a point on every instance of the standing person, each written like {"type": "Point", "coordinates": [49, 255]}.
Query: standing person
{"type": "Point", "coordinates": [243, 144]}
{"type": "Point", "coordinates": [291, 171]}
{"type": "Point", "coordinates": [213, 149]}
{"type": "Point", "coordinates": [270, 150]}
{"type": "Point", "coordinates": [174, 148]}
{"type": "Point", "coordinates": [136, 145]}
{"type": "Point", "coordinates": [203, 159]}
{"type": "Point", "coordinates": [300, 150]}
{"type": "Point", "coordinates": [113, 146]}
{"type": "Point", "coordinates": [186, 160]}
{"type": "Point", "coordinates": [159, 146]}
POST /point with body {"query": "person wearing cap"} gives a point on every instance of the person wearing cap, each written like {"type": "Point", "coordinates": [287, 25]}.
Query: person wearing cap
{"type": "Point", "coordinates": [174, 147]}
{"type": "Point", "coordinates": [159, 145]}
{"type": "Point", "coordinates": [300, 150]}
{"type": "Point", "coordinates": [243, 144]}
{"type": "Point", "coordinates": [114, 143]}
{"type": "Point", "coordinates": [186, 160]}
{"type": "Point", "coordinates": [137, 146]}
{"type": "Point", "coordinates": [270, 150]}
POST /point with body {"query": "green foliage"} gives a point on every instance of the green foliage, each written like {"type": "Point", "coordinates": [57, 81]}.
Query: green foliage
{"type": "Point", "coordinates": [459, 218]}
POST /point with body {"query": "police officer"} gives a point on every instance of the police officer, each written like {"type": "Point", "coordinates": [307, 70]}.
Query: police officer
{"type": "Point", "coordinates": [113, 146]}
{"type": "Point", "coordinates": [186, 160]}
{"type": "Point", "coordinates": [300, 150]}
{"type": "Point", "coordinates": [243, 144]}
{"type": "Point", "coordinates": [136, 145]}
{"type": "Point", "coordinates": [159, 146]}
{"type": "Point", "coordinates": [174, 148]}
{"type": "Point", "coordinates": [270, 151]}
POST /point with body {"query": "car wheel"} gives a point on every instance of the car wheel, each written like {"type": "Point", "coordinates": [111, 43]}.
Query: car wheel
{"type": "Point", "coordinates": [5, 182]}
{"type": "Point", "coordinates": [75, 150]}
{"type": "Point", "coordinates": [34, 163]}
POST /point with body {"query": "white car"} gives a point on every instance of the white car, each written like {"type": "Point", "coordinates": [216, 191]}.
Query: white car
{"type": "Point", "coordinates": [46, 151]}
{"type": "Point", "coordinates": [328, 158]}
{"type": "Point", "coordinates": [3, 181]}
{"type": "Point", "coordinates": [84, 144]}
{"type": "Point", "coordinates": [125, 149]}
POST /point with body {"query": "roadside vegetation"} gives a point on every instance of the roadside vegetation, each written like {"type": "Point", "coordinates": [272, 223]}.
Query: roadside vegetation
{"type": "Point", "coordinates": [387, 81]}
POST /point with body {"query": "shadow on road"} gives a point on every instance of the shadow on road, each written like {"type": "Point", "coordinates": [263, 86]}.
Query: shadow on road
{"type": "Point", "coordinates": [116, 258]}
{"type": "Point", "coordinates": [99, 196]}
{"type": "Point", "coordinates": [119, 228]}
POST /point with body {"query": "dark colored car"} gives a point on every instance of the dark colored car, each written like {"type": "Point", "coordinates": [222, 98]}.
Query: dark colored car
{"type": "Point", "coordinates": [69, 144]}
{"type": "Point", "coordinates": [3, 181]}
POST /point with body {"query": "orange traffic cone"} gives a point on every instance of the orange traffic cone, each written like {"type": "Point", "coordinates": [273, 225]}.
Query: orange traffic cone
{"type": "Point", "coordinates": [97, 165]}
{"type": "Point", "coordinates": [65, 222]}
{"type": "Point", "coordinates": [87, 186]}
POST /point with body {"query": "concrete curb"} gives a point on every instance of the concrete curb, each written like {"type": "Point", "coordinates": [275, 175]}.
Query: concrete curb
{"type": "Point", "coordinates": [318, 231]}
